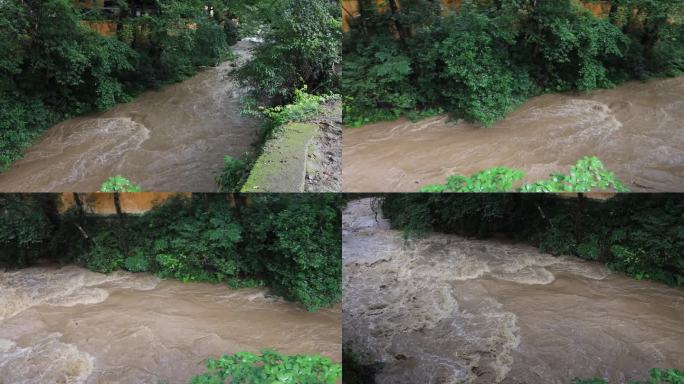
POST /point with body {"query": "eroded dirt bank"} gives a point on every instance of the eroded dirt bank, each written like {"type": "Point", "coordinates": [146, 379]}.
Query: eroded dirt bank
{"type": "Point", "coordinates": [446, 309]}
{"type": "Point", "coordinates": [636, 129]}
{"type": "Point", "coordinates": [172, 139]}
{"type": "Point", "coordinates": [71, 325]}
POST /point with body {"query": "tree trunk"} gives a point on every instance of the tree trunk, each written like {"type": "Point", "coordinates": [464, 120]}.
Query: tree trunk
{"type": "Point", "coordinates": [122, 223]}
{"type": "Point", "coordinates": [79, 205]}
{"type": "Point", "coordinates": [362, 17]}
{"type": "Point", "coordinates": [579, 231]}
{"type": "Point", "coordinates": [403, 35]}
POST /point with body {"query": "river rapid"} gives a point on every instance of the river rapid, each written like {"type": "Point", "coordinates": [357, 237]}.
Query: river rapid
{"type": "Point", "coordinates": [171, 139]}
{"type": "Point", "coordinates": [446, 309]}
{"type": "Point", "coordinates": [71, 325]}
{"type": "Point", "coordinates": [636, 129]}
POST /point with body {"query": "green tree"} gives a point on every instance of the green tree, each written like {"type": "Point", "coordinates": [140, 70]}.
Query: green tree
{"type": "Point", "coordinates": [301, 48]}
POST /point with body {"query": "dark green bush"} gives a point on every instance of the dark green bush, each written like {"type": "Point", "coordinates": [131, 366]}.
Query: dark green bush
{"type": "Point", "coordinates": [308, 271]}
{"type": "Point", "coordinates": [26, 226]}
{"type": "Point", "coordinates": [137, 262]}
{"type": "Point", "coordinates": [278, 244]}
{"type": "Point", "coordinates": [197, 241]}
{"type": "Point", "coordinates": [106, 254]}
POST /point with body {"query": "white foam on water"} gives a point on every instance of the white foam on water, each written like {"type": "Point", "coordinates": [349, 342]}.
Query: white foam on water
{"type": "Point", "coordinates": [418, 307]}
{"type": "Point", "coordinates": [67, 286]}
{"type": "Point", "coordinates": [47, 361]}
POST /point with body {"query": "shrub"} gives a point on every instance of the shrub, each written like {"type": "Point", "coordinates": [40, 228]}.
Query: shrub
{"type": "Point", "coordinates": [376, 83]}
{"type": "Point", "coordinates": [308, 272]}
{"type": "Point", "coordinates": [278, 245]}
{"type": "Point", "coordinates": [21, 123]}
{"type": "Point", "coordinates": [137, 262]}
{"type": "Point", "coordinates": [25, 228]}
{"type": "Point", "coordinates": [106, 255]}
{"type": "Point", "coordinates": [303, 106]}
{"type": "Point", "coordinates": [119, 184]}
{"type": "Point", "coordinates": [301, 47]}
{"type": "Point", "coordinates": [269, 367]}
{"type": "Point", "coordinates": [497, 179]}
{"type": "Point", "coordinates": [196, 241]}
{"type": "Point", "coordinates": [234, 174]}
{"type": "Point", "coordinates": [587, 175]}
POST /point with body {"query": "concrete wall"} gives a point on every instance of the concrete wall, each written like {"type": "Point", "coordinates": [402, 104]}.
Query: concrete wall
{"type": "Point", "coordinates": [104, 28]}
{"type": "Point", "coordinates": [103, 203]}
{"type": "Point", "coordinates": [88, 3]}
{"type": "Point", "coordinates": [350, 9]}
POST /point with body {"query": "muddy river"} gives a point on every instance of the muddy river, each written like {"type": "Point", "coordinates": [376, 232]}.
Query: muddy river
{"type": "Point", "coordinates": [637, 130]}
{"type": "Point", "coordinates": [445, 309]}
{"type": "Point", "coordinates": [172, 139]}
{"type": "Point", "coordinates": [71, 325]}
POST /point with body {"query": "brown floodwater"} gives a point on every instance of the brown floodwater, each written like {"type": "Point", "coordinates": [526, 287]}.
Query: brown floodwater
{"type": "Point", "coordinates": [636, 129]}
{"type": "Point", "coordinates": [172, 139]}
{"type": "Point", "coordinates": [446, 309]}
{"type": "Point", "coordinates": [71, 325]}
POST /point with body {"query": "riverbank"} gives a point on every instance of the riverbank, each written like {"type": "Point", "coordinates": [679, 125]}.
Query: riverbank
{"type": "Point", "coordinates": [73, 325]}
{"type": "Point", "coordinates": [303, 155]}
{"type": "Point", "coordinates": [449, 309]}
{"type": "Point", "coordinates": [634, 129]}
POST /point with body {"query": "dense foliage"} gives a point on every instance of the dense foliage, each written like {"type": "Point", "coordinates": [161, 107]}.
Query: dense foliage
{"type": "Point", "coordinates": [291, 243]}
{"type": "Point", "coordinates": [587, 175]}
{"type": "Point", "coordinates": [235, 173]}
{"type": "Point", "coordinates": [301, 48]}
{"type": "Point", "coordinates": [270, 368]}
{"type": "Point", "coordinates": [641, 235]}
{"type": "Point", "coordinates": [52, 65]}
{"type": "Point", "coordinates": [658, 376]}
{"type": "Point", "coordinates": [482, 59]}
{"type": "Point", "coordinates": [26, 227]}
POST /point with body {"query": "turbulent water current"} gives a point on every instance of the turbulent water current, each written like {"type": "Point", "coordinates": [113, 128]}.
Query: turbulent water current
{"type": "Point", "coordinates": [636, 129]}
{"type": "Point", "coordinates": [70, 325]}
{"type": "Point", "coordinates": [446, 309]}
